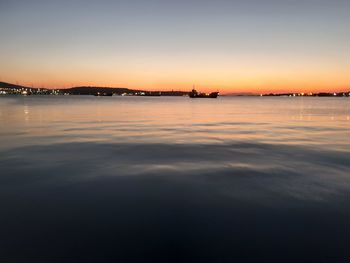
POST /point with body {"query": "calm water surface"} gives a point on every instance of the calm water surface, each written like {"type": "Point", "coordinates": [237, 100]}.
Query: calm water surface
{"type": "Point", "coordinates": [236, 179]}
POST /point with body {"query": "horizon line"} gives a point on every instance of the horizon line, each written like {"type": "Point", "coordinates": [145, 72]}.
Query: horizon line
{"type": "Point", "coordinates": [305, 91]}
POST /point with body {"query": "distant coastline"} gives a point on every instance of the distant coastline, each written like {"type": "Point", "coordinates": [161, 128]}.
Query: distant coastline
{"type": "Point", "coordinates": [14, 89]}
{"type": "Point", "coordinates": [8, 88]}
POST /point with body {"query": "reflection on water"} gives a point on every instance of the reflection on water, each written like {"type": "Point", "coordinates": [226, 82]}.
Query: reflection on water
{"type": "Point", "coordinates": [173, 179]}
{"type": "Point", "coordinates": [319, 121]}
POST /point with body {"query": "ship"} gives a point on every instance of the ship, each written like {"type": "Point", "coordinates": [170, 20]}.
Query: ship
{"type": "Point", "coordinates": [194, 94]}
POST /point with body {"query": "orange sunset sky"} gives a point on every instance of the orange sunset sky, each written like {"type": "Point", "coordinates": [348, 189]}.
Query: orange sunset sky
{"type": "Point", "coordinates": [229, 46]}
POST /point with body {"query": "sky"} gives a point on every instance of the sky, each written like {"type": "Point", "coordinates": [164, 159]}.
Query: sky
{"type": "Point", "coordinates": [227, 45]}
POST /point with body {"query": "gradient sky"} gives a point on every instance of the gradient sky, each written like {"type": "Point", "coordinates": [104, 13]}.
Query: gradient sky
{"type": "Point", "coordinates": [226, 45]}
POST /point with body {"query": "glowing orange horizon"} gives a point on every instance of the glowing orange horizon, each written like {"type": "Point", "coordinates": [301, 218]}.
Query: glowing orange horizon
{"type": "Point", "coordinates": [253, 75]}
{"type": "Point", "coordinates": [223, 87]}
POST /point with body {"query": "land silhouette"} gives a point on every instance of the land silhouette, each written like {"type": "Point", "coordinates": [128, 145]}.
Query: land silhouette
{"type": "Point", "coordinates": [9, 88]}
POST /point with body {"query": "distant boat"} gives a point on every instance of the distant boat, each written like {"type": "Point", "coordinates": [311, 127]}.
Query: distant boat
{"type": "Point", "coordinates": [194, 94]}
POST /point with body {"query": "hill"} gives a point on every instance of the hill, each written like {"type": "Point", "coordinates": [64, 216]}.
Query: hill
{"type": "Point", "coordinates": [86, 90]}
{"type": "Point", "coordinates": [8, 86]}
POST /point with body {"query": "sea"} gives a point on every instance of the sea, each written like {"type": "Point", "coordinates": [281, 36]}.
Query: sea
{"type": "Point", "coordinates": [174, 179]}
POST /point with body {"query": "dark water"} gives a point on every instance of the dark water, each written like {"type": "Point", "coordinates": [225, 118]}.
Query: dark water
{"type": "Point", "coordinates": [132, 179]}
